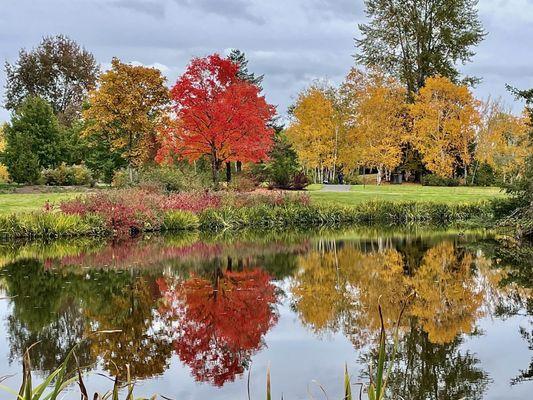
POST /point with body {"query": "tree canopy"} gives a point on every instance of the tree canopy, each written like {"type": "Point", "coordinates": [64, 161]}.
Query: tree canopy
{"type": "Point", "coordinates": [416, 39]}
{"type": "Point", "coordinates": [58, 70]}
{"type": "Point", "coordinates": [218, 115]}
{"type": "Point", "coordinates": [445, 117]}
{"type": "Point", "coordinates": [33, 140]}
{"type": "Point", "coordinates": [127, 109]}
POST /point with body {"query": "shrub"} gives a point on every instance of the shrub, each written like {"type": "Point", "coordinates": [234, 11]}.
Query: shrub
{"type": "Point", "coordinates": [75, 175]}
{"type": "Point", "coordinates": [121, 179]}
{"type": "Point", "coordinates": [129, 211]}
{"type": "Point", "coordinates": [4, 174]}
{"type": "Point", "coordinates": [436, 180]}
{"type": "Point", "coordinates": [353, 178]}
{"type": "Point", "coordinates": [21, 162]}
{"type": "Point", "coordinates": [173, 178]}
{"type": "Point", "coordinates": [180, 221]}
{"type": "Point", "coordinates": [123, 212]}
{"type": "Point", "coordinates": [242, 183]}
{"type": "Point", "coordinates": [299, 181]}
{"type": "Point", "coordinates": [170, 178]}
{"type": "Point", "coordinates": [485, 176]}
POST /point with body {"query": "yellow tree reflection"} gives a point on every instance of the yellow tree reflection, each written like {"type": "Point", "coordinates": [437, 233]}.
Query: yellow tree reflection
{"type": "Point", "coordinates": [448, 300]}
{"type": "Point", "coordinates": [340, 288]}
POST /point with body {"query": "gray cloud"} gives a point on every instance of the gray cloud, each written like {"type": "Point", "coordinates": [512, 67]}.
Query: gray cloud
{"type": "Point", "coordinates": [231, 9]}
{"type": "Point", "coordinates": [153, 8]}
{"type": "Point", "coordinates": [291, 42]}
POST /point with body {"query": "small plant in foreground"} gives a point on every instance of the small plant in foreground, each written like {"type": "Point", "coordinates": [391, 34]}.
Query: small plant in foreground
{"type": "Point", "coordinates": [60, 379]}
{"type": "Point", "coordinates": [378, 382]}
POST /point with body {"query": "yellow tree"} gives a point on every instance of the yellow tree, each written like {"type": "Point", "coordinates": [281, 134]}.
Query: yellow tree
{"type": "Point", "coordinates": [126, 110]}
{"type": "Point", "coordinates": [4, 174]}
{"type": "Point", "coordinates": [445, 117]}
{"type": "Point", "coordinates": [502, 139]}
{"type": "Point", "coordinates": [376, 118]}
{"type": "Point", "coordinates": [314, 133]}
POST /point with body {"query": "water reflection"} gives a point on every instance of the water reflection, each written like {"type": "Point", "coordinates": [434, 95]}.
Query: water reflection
{"type": "Point", "coordinates": [219, 323]}
{"type": "Point", "coordinates": [340, 287]}
{"type": "Point", "coordinates": [211, 302]}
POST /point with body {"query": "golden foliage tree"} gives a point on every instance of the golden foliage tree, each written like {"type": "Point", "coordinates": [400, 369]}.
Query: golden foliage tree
{"type": "Point", "coordinates": [315, 131]}
{"type": "Point", "coordinates": [127, 108]}
{"type": "Point", "coordinates": [445, 117]}
{"type": "Point", "coordinates": [502, 140]}
{"type": "Point", "coordinates": [4, 174]}
{"type": "Point", "coordinates": [376, 109]}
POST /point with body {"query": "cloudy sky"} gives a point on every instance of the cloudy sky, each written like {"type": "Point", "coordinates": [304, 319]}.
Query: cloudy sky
{"type": "Point", "coordinates": [291, 42]}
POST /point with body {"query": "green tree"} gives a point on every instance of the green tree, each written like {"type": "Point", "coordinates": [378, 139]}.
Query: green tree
{"type": "Point", "coordinates": [33, 140]}
{"type": "Point", "coordinates": [282, 169]}
{"type": "Point", "coordinates": [58, 70]}
{"type": "Point", "coordinates": [415, 39]}
{"type": "Point", "coordinates": [522, 188]}
{"type": "Point", "coordinates": [239, 58]}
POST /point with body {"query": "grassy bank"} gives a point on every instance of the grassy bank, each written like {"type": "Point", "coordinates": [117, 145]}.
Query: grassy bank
{"type": "Point", "coordinates": [405, 193]}
{"type": "Point", "coordinates": [262, 216]}
{"type": "Point", "coordinates": [27, 202]}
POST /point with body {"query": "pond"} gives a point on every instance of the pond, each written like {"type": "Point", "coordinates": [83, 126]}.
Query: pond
{"type": "Point", "coordinates": [200, 316]}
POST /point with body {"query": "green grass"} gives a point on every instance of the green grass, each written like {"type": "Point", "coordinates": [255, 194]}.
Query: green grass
{"type": "Point", "coordinates": [362, 193]}
{"type": "Point", "coordinates": [24, 202]}
{"type": "Point", "coordinates": [313, 187]}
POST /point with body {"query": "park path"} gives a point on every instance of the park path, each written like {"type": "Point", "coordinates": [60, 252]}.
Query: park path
{"type": "Point", "coordinates": [335, 188]}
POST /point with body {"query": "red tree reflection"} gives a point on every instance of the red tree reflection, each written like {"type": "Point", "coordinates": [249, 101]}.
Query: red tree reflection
{"type": "Point", "coordinates": [219, 325]}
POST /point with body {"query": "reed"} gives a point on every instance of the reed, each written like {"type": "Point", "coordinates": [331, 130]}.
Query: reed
{"type": "Point", "coordinates": [256, 216]}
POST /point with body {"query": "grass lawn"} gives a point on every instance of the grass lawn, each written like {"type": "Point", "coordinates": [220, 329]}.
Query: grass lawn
{"type": "Point", "coordinates": [313, 187]}
{"type": "Point", "coordinates": [361, 193]}
{"type": "Point", "coordinates": [23, 202]}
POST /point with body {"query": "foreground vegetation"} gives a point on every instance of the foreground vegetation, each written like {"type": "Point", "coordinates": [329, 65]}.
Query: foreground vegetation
{"type": "Point", "coordinates": [133, 211]}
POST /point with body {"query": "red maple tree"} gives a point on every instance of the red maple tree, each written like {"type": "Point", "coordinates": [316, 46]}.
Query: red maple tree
{"type": "Point", "coordinates": [218, 326]}
{"type": "Point", "coordinates": [217, 115]}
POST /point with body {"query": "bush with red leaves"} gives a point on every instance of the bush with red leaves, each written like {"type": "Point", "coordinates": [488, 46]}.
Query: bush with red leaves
{"type": "Point", "coordinates": [130, 211]}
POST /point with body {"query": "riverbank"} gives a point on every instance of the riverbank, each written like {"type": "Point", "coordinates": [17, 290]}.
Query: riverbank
{"type": "Point", "coordinates": [291, 214]}
{"type": "Point", "coordinates": [29, 199]}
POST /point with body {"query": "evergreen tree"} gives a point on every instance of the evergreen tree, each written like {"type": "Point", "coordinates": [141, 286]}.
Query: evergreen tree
{"type": "Point", "coordinates": [239, 57]}
{"type": "Point", "coordinates": [22, 163]}
{"type": "Point", "coordinates": [33, 140]}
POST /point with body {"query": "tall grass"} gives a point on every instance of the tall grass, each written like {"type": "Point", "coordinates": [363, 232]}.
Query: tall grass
{"type": "Point", "coordinates": [255, 216]}
{"type": "Point", "coordinates": [373, 212]}
{"type": "Point", "coordinates": [50, 225]}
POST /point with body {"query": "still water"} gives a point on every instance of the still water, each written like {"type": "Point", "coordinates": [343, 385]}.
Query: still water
{"type": "Point", "coordinates": [200, 315]}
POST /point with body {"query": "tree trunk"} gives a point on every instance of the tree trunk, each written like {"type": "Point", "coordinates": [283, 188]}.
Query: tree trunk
{"type": "Point", "coordinates": [378, 177]}
{"type": "Point", "coordinates": [238, 166]}
{"type": "Point", "coordinates": [214, 171]}
{"type": "Point", "coordinates": [130, 172]}
{"type": "Point", "coordinates": [228, 171]}
{"type": "Point", "coordinates": [474, 172]}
